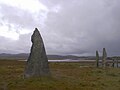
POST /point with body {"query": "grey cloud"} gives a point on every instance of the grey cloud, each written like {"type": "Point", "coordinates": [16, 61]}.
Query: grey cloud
{"type": "Point", "coordinates": [80, 27]}
{"type": "Point", "coordinates": [19, 17]}
{"type": "Point", "coordinates": [15, 46]}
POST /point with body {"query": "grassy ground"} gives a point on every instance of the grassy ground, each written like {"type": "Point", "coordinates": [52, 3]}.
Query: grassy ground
{"type": "Point", "coordinates": [65, 76]}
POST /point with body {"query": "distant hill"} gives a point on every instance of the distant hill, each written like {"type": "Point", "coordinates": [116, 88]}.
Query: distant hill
{"type": "Point", "coordinates": [14, 56]}
{"type": "Point", "coordinates": [59, 57]}
{"type": "Point", "coordinates": [24, 56]}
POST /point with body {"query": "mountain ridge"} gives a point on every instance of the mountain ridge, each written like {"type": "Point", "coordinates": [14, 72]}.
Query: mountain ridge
{"type": "Point", "coordinates": [50, 57]}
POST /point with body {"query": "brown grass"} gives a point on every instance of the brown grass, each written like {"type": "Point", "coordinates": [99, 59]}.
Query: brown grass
{"type": "Point", "coordinates": [65, 76]}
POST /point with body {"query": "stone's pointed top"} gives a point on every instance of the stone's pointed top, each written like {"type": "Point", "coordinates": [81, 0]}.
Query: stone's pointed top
{"type": "Point", "coordinates": [36, 37]}
{"type": "Point", "coordinates": [36, 29]}
{"type": "Point", "coordinates": [36, 32]}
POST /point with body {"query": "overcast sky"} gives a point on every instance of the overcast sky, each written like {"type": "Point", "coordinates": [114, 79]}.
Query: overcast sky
{"type": "Point", "coordinates": [74, 27]}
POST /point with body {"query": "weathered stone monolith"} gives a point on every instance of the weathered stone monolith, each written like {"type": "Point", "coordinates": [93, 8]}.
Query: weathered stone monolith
{"type": "Point", "coordinates": [113, 65]}
{"type": "Point", "coordinates": [37, 63]}
{"type": "Point", "coordinates": [97, 59]}
{"type": "Point", "coordinates": [104, 57]}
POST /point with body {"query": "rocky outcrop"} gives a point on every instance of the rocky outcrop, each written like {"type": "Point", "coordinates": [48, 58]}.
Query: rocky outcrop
{"type": "Point", "coordinates": [37, 63]}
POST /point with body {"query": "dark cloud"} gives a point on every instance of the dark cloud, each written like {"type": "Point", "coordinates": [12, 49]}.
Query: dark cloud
{"type": "Point", "coordinates": [81, 27]}
{"type": "Point", "coordinates": [71, 27]}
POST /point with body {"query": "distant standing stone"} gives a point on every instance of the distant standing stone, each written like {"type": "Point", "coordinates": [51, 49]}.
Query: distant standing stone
{"type": "Point", "coordinates": [37, 63]}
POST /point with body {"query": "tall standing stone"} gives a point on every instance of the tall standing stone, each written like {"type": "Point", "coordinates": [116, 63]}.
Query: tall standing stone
{"type": "Point", "coordinates": [97, 59]}
{"type": "Point", "coordinates": [37, 63]}
{"type": "Point", "coordinates": [113, 65]}
{"type": "Point", "coordinates": [104, 57]}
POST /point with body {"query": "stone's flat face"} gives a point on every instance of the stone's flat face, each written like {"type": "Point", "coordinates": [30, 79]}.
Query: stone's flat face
{"type": "Point", "coordinates": [37, 63]}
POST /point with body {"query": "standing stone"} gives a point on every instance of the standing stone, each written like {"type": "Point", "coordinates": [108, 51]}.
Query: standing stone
{"type": "Point", "coordinates": [97, 59]}
{"type": "Point", "coordinates": [37, 63]}
{"type": "Point", "coordinates": [113, 65]}
{"type": "Point", "coordinates": [117, 63]}
{"type": "Point", "coordinates": [104, 57]}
